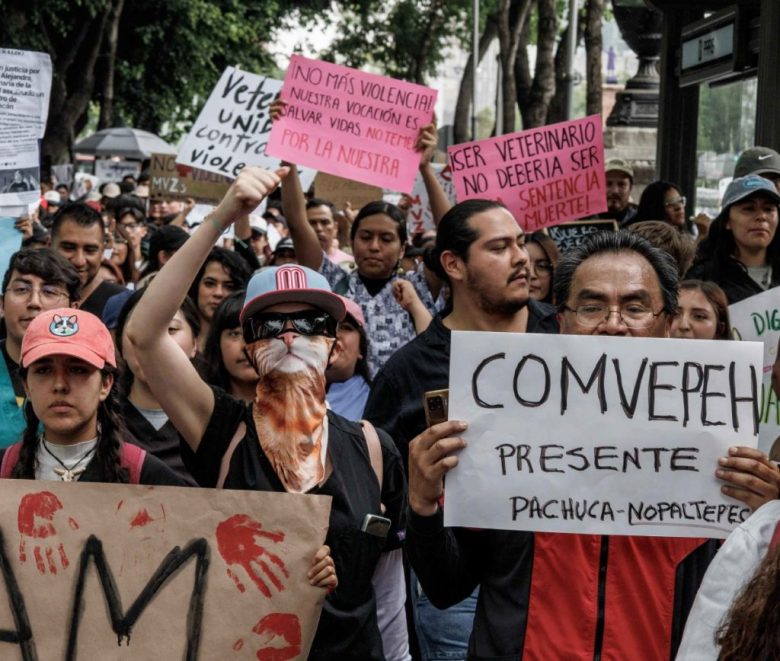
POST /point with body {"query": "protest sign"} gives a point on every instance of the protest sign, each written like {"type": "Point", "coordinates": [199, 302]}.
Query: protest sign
{"type": "Point", "coordinates": [25, 83]}
{"type": "Point", "coordinates": [420, 216]}
{"type": "Point", "coordinates": [110, 170]}
{"type": "Point", "coordinates": [599, 435]}
{"type": "Point", "coordinates": [570, 235]}
{"type": "Point", "coordinates": [339, 191]}
{"type": "Point", "coordinates": [352, 124]}
{"type": "Point", "coordinates": [232, 129]}
{"type": "Point", "coordinates": [113, 572]}
{"type": "Point", "coordinates": [758, 318]}
{"type": "Point", "coordinates": [167, 179]}
{"type": "Point", "coordinates": [544, 176]}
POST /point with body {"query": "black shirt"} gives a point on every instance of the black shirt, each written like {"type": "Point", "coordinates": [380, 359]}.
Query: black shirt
{"type": "Point", "coordinates": [96, 301]}
{"type": "Point", "coordinates": [163, 443]}
{"type": "Point", "coordinates": [347, 627]}
{"type": "Point", "coordinates": [395, 402]}
{"type": "Point", "coordinates": [732, 277]}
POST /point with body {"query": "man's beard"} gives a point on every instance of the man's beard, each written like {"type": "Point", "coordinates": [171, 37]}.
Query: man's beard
{"type": "Point", "coordinates": [491, 302]}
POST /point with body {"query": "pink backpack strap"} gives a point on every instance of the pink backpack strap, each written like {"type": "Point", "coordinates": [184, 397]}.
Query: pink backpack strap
{"type": "Point", "coordinates": [775, 537]}
{"type": "Point", "coordinates": [10, 458]}
{"type": "Point", "coordinates": [132, 458]}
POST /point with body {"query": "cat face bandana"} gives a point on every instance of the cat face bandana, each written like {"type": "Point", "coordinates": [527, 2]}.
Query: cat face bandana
{"type": "Point", "coordinates": [289, 408]}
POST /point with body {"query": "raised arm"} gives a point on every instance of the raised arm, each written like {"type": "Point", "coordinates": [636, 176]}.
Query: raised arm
{"type": "Point", "coordinates": [307, 246]}
{"type": "Point", "coordinates": [426, 142]}
{"type": "Point", "coordinates": [183, 395]}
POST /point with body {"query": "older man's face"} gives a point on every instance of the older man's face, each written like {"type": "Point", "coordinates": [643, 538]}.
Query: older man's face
{"type": "Point", "coordinates": [615, 294]}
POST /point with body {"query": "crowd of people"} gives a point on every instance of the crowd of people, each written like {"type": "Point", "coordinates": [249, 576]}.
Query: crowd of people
{"type": "Point", "coordinates": [136, 350]}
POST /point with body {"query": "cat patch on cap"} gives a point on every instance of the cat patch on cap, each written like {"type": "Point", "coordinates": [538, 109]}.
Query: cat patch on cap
{"type": "Point", "coordinates": [64, 326]}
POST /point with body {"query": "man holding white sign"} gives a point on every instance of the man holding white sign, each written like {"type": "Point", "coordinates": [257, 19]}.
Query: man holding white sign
{"type": "Point", "coordinates": [547, 595]}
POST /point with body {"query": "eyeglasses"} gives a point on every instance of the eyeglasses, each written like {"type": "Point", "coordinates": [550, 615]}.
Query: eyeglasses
{"type": "Point", "coordinates": [633, 315]}
{"type": "Point", "coordinates": [542, 266]}
{"type": "Point", "coordinates": [680, 201]}
{"type": "Point", "coordinates": [47, 293]}
{"type": "Point", "coordinates": [305, 322]}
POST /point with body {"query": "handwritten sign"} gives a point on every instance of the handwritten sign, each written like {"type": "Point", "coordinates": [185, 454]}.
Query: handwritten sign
{"type": "Point", "coordinates": [420, 216]}
{"type": "Point", "coordinates": [758, 318]}
{"type": "Point", "coordinates": [581, 434]}
{"type": "Point", "coordinates": [338, 191]}
{"type": "Point", "coordinates": [232, 130]}
{"type": "Point", "coordinates": [114, 572]}
{"type": "Point", "coordinates": [352, 124]}
{"type": "Point", "coordinates": [570, 235]}
{"type": "Point", "coordinates": [180, 181]}
{"type": "Point", "coordinates": [544, 176]}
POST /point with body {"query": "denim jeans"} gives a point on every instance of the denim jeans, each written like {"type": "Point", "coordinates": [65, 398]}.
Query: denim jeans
{"type": "Point", "coordinates": [442, 635]}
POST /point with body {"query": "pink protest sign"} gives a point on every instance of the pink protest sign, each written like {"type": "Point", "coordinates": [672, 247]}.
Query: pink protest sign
{"type": "Point", "coordinates": [544, 176]}
{"type": "Point", "coordinates": [351, 124]}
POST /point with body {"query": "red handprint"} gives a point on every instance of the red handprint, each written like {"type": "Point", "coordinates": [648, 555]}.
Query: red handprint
{"type": "Point", "coordinates": [237, 544]}
{"type": "Point", "coordinates": [277, 627]}
{"type": "Point", "coordinates": [36, 514]}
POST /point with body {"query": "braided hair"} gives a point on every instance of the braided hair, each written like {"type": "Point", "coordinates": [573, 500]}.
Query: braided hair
{"type": "Point", "coordinates": [108, 450]}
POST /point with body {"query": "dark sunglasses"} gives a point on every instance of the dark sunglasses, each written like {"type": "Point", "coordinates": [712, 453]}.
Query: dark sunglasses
{"type": "Point", "coordinates": [305, 322]}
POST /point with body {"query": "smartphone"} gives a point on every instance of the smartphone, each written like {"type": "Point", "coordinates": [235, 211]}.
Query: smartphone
{"type": "Point", "coordinates": [375, 525]}
{"type": "Point", "coordinates": [436, 405]}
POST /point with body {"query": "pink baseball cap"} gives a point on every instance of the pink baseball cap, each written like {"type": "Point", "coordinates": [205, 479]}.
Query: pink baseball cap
{"type": "Point", "coordinates": [69, 332]}
{"type": "Point", "coordinates": [354, 311]}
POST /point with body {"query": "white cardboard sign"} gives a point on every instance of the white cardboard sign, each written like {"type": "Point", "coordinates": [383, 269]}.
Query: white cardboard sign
{"type": "Point", "coordinates": [595, 435]}
{"type": "Point", "coordinates": [233, 128]}
{"type": "Point", "coordinates": [758, 319]}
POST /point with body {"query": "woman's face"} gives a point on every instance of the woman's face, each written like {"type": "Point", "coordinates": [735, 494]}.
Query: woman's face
{"type": "Point", "coordinates": [119, 252]}
{"type": "Point", "coordinates": [214, 286]}
{"type": "Point", "coordinates": [237, 365]}
{"type": "Point", "coordinates": [377, 246]}
{"type": "Point", "coordinates": [674, 207]}
{"type": "Point", "coordinates": [753, 222]}
{"type": "Point", "coordinates": [65, 393]}
{"type": "Point", "coordinates": [696, 318]}
{"type": "Point", "coordinates": [539, 272]}
{"type": "Point", "coordinates": [348, 341]}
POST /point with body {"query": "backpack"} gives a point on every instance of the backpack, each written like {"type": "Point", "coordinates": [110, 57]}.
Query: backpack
{"type": "Point", "coordinates": [131, 457]}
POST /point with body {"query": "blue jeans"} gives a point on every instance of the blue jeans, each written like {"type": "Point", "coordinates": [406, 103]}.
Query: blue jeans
{"type": "Point", "coordinates": [442, 635]}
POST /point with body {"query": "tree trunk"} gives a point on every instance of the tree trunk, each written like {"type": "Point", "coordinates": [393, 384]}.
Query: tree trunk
{"type": "Point", "coordinates": [106, 119]}
{"type": "Point", "coordinates": [512, 15]}
{"type": "Point", "coordinates": [542, 90]}
{"type": "Point", "coordinates": [461, 129]}
{"type": "Point", "coordinates": [435, 16]}
{"type": "Point", "coordinates": [556, 111]}
{"type": "Point", "coordinates": [594, 10]}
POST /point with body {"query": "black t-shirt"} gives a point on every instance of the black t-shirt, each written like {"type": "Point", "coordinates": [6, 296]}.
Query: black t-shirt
{"type": "Point", "coordinates": [96, 301]}
{"type": "Point", "coordinates": [347, 627]}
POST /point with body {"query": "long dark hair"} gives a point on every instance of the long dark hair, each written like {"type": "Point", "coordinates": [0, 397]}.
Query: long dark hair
{"type": "Point", "coordinates": [111, 433]}
{"type": "Point", "coordinates": [652, 204]}
{"type": "Point", "coordinates": [226, 317]}
{"type": "Point", "coordinates": [751, 629]}
{"type": "Point", "coordinates": [719, 246]}
{"type": "Point", "coordinates": [716, 297]}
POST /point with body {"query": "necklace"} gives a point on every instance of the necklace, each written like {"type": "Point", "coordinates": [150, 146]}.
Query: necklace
{"type": "Point", "coordinates": [66, 473]}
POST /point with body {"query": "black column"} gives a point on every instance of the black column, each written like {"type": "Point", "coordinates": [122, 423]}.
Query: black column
{"type": "Point", "coordinates": [767, 115]}
{"type": "Point", "coordinates": [678, 116]}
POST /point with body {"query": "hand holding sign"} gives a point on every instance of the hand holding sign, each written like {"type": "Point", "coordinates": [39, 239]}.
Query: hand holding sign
{"type": "Point", "coordinates": [36, 522]}
{"type": "Point", "coordinates": [750, 476]}
{"type": "Point", "coordinates": [431, 457]}
{"type": "Point", "coordinates": [249, 189]}
{"type": "Point", "coordinates": [323, 570]}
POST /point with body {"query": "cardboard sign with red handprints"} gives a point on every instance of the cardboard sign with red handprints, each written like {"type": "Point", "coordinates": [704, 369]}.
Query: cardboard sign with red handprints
{"type": "Point", "coordinates": [97, 571]}
{"type": "Point", "coordinates": [420, 216]}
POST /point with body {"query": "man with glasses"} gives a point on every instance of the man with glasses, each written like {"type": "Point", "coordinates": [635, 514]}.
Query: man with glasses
{"type": "Point", "coordinates": [286, 440]}
{"type": "Point", "coordinates": [36, 281]}
{"type": "Point", "coordinates": [559, 596]}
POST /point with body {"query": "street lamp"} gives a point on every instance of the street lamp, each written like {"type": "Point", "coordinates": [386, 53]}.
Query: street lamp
{"type": "Point", "coordinates": [640, 27]}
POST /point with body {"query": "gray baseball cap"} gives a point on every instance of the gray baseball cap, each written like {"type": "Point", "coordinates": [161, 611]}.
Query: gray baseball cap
{"type": "Point", "coordinates": [743, 187]}
{"type": "Point", "coordinates": [757, 160]}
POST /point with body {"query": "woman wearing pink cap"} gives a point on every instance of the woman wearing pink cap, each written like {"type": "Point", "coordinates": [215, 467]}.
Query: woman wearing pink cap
{"type": "Point", "coordinates": [68, 368]}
